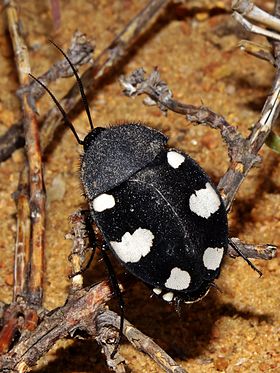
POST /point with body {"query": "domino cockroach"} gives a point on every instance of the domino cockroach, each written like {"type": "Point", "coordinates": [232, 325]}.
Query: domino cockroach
{"type": "Point", "coordinates": [157, 209]}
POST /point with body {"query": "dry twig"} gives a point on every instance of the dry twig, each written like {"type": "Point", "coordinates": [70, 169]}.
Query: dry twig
{"type": "Point", "coordinates": [249, 10]}
{"type": "Point", "coordinates": [262, 251]}
{"type": "Point", "coordinates": [35, 176]}
{"type": "Point", "coordinates": [261, 51]}
{"type": "Point", "coordinates": [270, 112]}
{"type": "Point", "coordinates": [255, 29]}
{"type": "Point", "coordinates": [139, 340]}
{"type": "Point", "coordinates": [29, 249]}
{"type": "Point", "coordinates": [77, 314]}
{"type": "Point", "coordinates": [84, 313]}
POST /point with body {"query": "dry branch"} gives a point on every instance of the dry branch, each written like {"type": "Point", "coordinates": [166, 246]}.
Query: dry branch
{"type": "Point", "coordinates": [35, 175]}
{"type": "Point", "coordinates": [79, 313]}
{"type": "Point", "coordinates": [83, 313]}
{"type": "Point", "coordinates": [249, 10]}
{"type": "Point", "coordinates": [140, 341]}
{"type": "Point", "coordinates": [29, 248]}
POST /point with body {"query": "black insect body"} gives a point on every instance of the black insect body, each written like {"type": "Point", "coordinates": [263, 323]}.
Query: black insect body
{"type": "Point", "coordinates": [157, 209]}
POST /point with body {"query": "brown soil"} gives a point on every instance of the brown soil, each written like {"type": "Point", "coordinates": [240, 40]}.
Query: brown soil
{"type": "Point", "coordinates": [235, 330]}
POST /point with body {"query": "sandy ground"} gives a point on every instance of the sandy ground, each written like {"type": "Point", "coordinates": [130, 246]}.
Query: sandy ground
{"type": "Point", "coordinates": [235, 330]}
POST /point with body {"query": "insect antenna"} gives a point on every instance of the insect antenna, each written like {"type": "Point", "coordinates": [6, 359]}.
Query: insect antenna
{"type": "Point", "coordinates": [80, 84]}
{"type": "Point", "coordinates": [65, 117]}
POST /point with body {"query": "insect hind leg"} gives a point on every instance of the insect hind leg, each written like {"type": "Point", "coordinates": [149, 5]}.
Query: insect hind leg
{"type": "Point", "coordinates": [113, 280]}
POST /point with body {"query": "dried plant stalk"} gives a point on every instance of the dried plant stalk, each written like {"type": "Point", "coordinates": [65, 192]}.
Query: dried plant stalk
{"type": "Point", "coordinates": [22, 247]}
{"type": "Point", "coordinates": [36, 183]}
{"type": "Point", "coordinates": [249, 10]}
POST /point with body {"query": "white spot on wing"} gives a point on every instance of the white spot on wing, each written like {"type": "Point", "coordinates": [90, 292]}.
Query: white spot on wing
{"type": "Point", "coordinates": [157, 291]}
{"type": "Point", "coordinates": [103, 202]}
{"type": "Point", "coordinates": [133, 247]}
{"type": "Point", "coordinates": [175, 159]}
{"type": "Point", "coordinates": [168, 296]}
{"type": "Point", "coordinates": [212, 257]}
{"type": "Point", "coordinates": [205, 202]}
{"type": "Point", "coordinates": [178, 279]}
